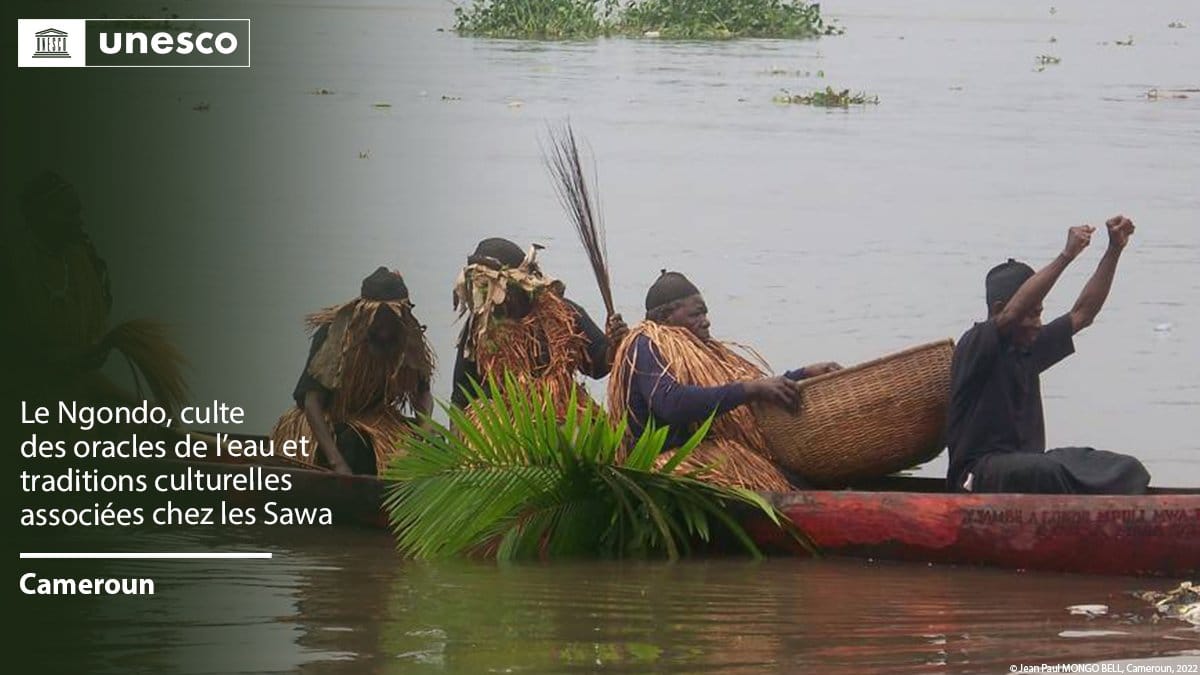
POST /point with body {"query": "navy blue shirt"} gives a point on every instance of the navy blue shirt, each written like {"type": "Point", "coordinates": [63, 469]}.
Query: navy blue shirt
{"type": "Point", "coordinates": [995, 393]}
{"type": "Point", "coordinates": [655, 394]}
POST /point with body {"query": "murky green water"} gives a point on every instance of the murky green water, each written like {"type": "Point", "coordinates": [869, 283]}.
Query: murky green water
{"type": "Point", "coordinates": [815, 235]}
{"type": "Point", "coordinates": [341, 601]}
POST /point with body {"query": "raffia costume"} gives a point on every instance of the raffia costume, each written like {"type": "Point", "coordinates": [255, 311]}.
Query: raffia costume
{"type": "Point", "coordinates": [735, 451]}
{"type": "Point", "coordinates": [368, 392]}
{"type": "Point", "coordinates": [544, 348]}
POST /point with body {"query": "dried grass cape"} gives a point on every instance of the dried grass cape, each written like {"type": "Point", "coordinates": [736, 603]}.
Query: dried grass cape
{"type": "Point", "coordinates": [370, 392]}
{"type": "Point", "coordinates": [544, 348]}
{"type": "Point", "coordinates": [735, 450]}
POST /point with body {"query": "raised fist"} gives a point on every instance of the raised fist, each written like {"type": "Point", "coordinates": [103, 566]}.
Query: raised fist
{"type": "Point", "coordinates": [1078, 238]}
{"type": "Point", "coordinates": [1120, 229]}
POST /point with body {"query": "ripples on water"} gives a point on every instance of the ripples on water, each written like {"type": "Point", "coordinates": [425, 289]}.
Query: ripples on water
{"type": "Point", "coordinates": [342, 602]}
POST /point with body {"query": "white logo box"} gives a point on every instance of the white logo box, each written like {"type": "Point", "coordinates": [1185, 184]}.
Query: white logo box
{"type": "Point", "coordinates": [27, 42]}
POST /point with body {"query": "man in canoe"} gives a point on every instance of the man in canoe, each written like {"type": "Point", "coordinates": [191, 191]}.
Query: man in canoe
{"type": "Point", "coordinates": [670, 371]}
{"type": "Point", "coordinates": [368, 365]}
{"type": "Point", "coordinates": [517, 321]}
{"type": "Point", "coordinates": [995, 431]}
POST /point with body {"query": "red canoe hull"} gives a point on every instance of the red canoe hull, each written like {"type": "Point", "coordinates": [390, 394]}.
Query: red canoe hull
{"type": "Point", "coordinates": [909, 519]}
{"type": "Point", "coordinates": [1157, 534]}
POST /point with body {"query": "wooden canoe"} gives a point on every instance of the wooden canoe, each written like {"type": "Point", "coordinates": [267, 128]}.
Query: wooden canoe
{"type": "Point", "coordinates": [908, 518]}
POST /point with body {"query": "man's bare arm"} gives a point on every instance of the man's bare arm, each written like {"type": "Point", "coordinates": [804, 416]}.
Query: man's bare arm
{"type": "Point", "coordinates": [1034, 290]}
{"type": "Point", "coordinates": [1095, 291]}
{"type": "Point", "coordinates": [314, 411]}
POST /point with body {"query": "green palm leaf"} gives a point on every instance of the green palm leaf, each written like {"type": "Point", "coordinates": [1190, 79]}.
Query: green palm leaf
{"type": "Point", "coordinates": [510, 480]}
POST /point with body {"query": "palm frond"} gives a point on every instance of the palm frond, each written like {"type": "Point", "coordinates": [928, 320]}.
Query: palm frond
{"type": "Point", "coordinates": [515, 482]}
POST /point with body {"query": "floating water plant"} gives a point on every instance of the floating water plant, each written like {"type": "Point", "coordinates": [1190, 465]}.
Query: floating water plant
{"type": "Point", "coordinates": [535, 19]}
{"type": "Point", "coordinates": [827, 98]}
{"type": "Point", "coordinates": [1124, 43]}
{"type": "Point", "coordinates": [1177, 24]}
{"type": "Point", "coordinates": [671, 19]}
{"type": "Point", "coordinates": [795, 73]}
{"type": "Point", "coordinates": [722, 19]}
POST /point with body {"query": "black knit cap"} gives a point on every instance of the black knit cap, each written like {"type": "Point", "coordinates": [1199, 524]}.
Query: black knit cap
{"type": "Point", "coordinates": [669, 287]}
{"type": "Point", "coordinates": [1004, 279]}
{"type": "Point", "coordinates": [384, 284]}
{"type": "Point", "coordinates": [499, 250]}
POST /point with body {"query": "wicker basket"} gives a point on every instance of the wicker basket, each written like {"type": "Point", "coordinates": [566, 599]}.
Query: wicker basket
{"type": "Point", "coordinates": [866, 421]}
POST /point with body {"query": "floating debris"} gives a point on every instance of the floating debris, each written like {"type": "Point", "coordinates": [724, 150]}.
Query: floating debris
{"type": "Point", "coordinates": [1163, 328]}
{"type": "Point", "coordinates": [652, 34]}
{"type": "Point", "coordinates": [827, 98]}
{"type": "Point", "coordinates": [381, 105]}
{"type": "Point", "coordinates": [1157, 95]}
{"type": "Point", "coordinates": [1181, 602]}
{"type": "Point", "coordinates": [201, 106]}
{"type": "Point", "coordinates": [775, 70]}
{"type": "Point", "coordinates": [1124, 43]}
{"type": "Point", "coordinates": [1053, 39]}
{"type": "Point", "coordinates": [448, 97]}
{"type": "Point", "coordinates": [321, 92]}
{"type": "Point", "coordinates": [1177, 24]}
{"type": "Point", "coordinates": [515, 103]}
{"type": "Point", "coordinates": [1090, 611]}
{"type": "Point", "coordinates": [364, 154]}
{"type": "Point", "coordinates": [1048, 60]}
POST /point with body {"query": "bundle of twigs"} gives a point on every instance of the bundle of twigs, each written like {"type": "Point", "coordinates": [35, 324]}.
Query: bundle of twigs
{"type": "Point", "coordinates": [153, 359]}
{"type": "Point", "coordinates": [573, 193]}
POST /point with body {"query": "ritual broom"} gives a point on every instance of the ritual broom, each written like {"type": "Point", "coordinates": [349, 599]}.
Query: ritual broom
{"type": "Point", "coordinates": [578, 199]}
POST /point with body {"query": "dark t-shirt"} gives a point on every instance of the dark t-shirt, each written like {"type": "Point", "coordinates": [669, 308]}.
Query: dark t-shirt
{"type": "Point", "coordinates": [596, 365]}
{"type": "Point", "coordinates": [995, 394]}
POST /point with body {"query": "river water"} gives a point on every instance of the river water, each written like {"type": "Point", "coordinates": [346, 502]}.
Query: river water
{"type": "Point", "coordinates": [340, 601]}
{"type": "Point", "coordinates": [815, 235]}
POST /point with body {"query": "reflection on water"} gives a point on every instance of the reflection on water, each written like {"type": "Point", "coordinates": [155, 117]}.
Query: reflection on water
{"type": "Point", "coordinates": [342, 602]}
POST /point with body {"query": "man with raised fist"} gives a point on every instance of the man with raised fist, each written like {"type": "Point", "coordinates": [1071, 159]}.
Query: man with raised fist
{"type": "Point", "coordinates": [995, 429]}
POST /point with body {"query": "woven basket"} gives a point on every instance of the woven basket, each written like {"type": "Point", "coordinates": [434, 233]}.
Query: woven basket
{"type": "Point", "coordinates": [866, 421]}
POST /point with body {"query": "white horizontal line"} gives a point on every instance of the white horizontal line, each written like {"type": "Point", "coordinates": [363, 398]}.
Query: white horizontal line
{"type": "Point", "coordinates": [146, 556]}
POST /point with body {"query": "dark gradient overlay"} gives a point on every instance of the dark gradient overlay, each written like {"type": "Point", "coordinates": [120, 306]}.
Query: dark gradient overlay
{"type": "Point", "coordinates": [117, 191]}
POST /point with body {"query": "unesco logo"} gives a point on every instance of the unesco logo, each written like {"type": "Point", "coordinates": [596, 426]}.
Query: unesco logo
{"type": "Point", "coordinates": [51, 44]}
{"type": "Point", "coordinates": [133, 43]}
